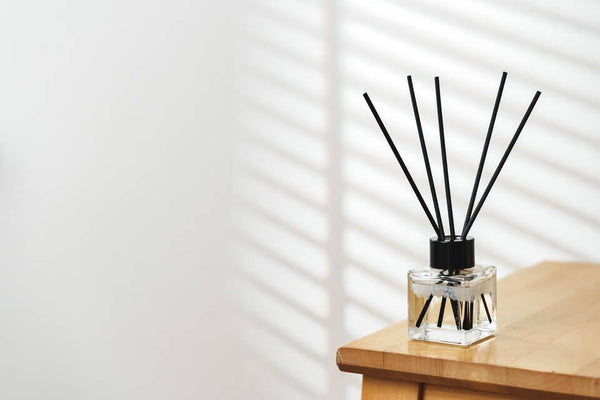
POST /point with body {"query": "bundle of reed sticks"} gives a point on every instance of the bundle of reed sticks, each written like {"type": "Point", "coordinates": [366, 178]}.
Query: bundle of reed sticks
{"type": "Point", "coordinates": [471, 214]}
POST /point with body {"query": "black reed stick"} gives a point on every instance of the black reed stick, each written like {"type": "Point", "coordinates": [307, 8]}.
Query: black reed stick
{"type": "Point", "coordinates": [444, 159]}
{"type": "Point", "coordinates": [487, 311]}
{"type": "Point", "coordinates": [501, 164]}
{"type": "Point", "coordinates": [441, 316]}
{"type": "Point", "coordinates": [436, 206]}
{"type": "Point", "coordinates": [484, 152]}
{"type": "Point", "coordinates": [471, 314]}
{"type": "Point", "coordinates": [401, 162]}
{"type": "Point", "coordinates": [456, 312]}
{"type": "Point", "coordinates": [423, 311]}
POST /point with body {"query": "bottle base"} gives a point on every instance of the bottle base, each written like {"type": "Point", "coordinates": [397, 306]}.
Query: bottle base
{"type": "Point", "coordinates": [450, 335]}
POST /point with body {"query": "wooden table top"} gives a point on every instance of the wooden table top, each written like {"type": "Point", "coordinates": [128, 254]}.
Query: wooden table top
{"type": "Point", "coordinates": [548, 340]}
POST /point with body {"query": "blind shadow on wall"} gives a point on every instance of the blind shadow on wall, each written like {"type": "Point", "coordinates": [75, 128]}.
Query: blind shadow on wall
{"type": "Point", "coordinates": [326, 227]}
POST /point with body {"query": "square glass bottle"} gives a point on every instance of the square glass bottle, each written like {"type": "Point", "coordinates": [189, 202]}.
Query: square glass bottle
{"type": "Point", "coordinates": [453, 301]}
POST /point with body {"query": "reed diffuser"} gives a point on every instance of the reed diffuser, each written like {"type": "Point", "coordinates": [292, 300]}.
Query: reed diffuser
{"type": "Point", "coordinates": [452, 276]}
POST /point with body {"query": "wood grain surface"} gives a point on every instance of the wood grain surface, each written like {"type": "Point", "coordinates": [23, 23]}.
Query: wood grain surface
{"type": "Point", "coordinates": [386, 389]}
{"type": "Point", "coordinates": [548, 340]}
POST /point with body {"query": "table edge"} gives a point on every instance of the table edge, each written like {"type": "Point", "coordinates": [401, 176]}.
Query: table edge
{"type": "Point", "coordinates": [346, 355]}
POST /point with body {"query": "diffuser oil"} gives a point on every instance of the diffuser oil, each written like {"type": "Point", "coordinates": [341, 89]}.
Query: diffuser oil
{"type": "Point", "coordinates": [456, 307]}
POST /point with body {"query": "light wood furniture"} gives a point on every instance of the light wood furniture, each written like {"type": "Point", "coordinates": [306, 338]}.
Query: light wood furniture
{"type": "Point", "coordinates": [547, 346]}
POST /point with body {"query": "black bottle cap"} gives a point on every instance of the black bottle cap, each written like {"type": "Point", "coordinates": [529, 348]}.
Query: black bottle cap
{"type": "Point", "coordinates": [452, 254]}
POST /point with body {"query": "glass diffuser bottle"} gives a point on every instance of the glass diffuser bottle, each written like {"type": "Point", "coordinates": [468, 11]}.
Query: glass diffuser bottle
{"type": "Point", "coordinates": [454, 300]}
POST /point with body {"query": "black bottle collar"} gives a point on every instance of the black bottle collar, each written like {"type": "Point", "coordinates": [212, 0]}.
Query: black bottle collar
{"type": "Point", "coordinates": [452, 254]}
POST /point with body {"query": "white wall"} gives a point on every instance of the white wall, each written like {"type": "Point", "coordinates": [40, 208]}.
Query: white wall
{"type": "Point", "coordinates": [114, 170]}
{"type": "Point", "coordinates": [327, 226]}
{"type": "Point", "coordinates": [134, 134]}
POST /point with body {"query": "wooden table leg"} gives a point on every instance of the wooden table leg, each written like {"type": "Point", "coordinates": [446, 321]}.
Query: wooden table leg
{"type": "Point", "coordinates": [388, 389]}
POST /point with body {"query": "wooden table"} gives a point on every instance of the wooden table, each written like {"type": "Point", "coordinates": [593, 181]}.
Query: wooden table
{"type": "Point", "coordinates": [547, 346]}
